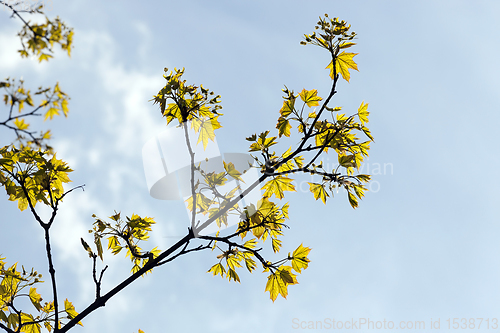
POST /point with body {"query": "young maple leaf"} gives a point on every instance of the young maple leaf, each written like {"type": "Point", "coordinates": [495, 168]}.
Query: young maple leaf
{"type": "Point", "coordinates": [343, 63]}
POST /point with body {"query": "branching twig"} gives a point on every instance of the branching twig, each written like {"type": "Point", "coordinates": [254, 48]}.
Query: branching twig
{"type": "Point", "coordinates": [148, 266]}
{"type": "Point", "coordinates": [16, 13]}
{"type": "Point", "coordinates": [52, 272]}
{"type": "Point", "coordinates": [94, 275]}
{"type": "Point", "coordinates": [230, 243]}
{"type": "Point", "coordinates": [184, 251]}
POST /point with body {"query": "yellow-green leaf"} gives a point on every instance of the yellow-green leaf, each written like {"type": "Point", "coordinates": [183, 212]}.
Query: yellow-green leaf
{"type": "Point", "coordinates": [22, 203]}
{"type": "Point", "coordinates": [287, 108]}
{"type": "Point", "coordinates": [35, 298]}
{"type": "Point", "coordinates": [299, 258]}
{"type": "Point", "coordinates": [250, 243]}
{"type": "Point", "coordinates": [13, 320]}
{"type": "Point", "coordinates": [283, 126]}
{"type": "Point", "coordinates": [206, 129]}
{"type": "Point", "coordinates": [44, 56]}
{"type": "Point", "coordinates": [3, 317]}
{"type": "Point", "coordinates": [250, 263]}
{"type": "Point", "coordinates": [20, 124]}
{"type": "Point", "coordinates": [51, 112]}
{"type": "Point", "coordinates": [29, 328]}
{"type": "Point", "coordinates": [64, 107]}
{"type": "Point", "coordinates": [114, 245]}
{"type": "Point", "coordinates": [319, 191]}
{"type": "Point", "coordinates": [346, 45]}
{"type": "Point", "coordinates": [48, 326]}
{"type": "Point", "coordinates": [343, 63]}
{"type": "Point", "coordinates": [276, 286]}
{"type": "Point", "coordinates": [347, 161]}
{"type": "Point", "coordinates": [310, 97]}
{"type": "Point", "coordinates": [287, 276]}
{"type": "Point", "coordinates": [364, 178]}
{"type": "Point", "coordinates": [231, 170]}
{"type": "Point", "coordinates": [363, 113]}
{"type": "Point", "coordinates": [278, 186]}
{"type": "Point", "coordinates": [217, 269]}
{"type": "Point", "coordinates": [352, 200]}
{"type": "Point", "coordinates": [276, 245]}
{"type": "Point", "coordinates": [70, 310]}
{"type": "Point", "coordinates": [97, 241]}
{"type": "Point", "coordinates": [232, 262]}
{"type": "Point", "coordinates": [231, 275]}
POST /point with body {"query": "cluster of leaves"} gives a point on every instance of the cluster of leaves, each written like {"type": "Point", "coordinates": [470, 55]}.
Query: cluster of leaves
{"type": "Point", "coordinates": [318, 134]}
{"type": "Point", "coordinates": [266, 222]}
{"type": "Point", "coordinates": [334, 37]}
{"type": "Point", "coordinates": [53, 100]}
{"type": "Point", "coordinates": [123, 234]}
{"type": "Point", "coordinates": [209, 200]}
{"type": "Point", "coordinates": [30, 176]}
{"type": "Point", "coordinates": [189, 103]}
{"type": "Point", "coordinates": [39, 39]}
{"type": "Point", "coordinates": [337, 131]}
{"type": "Point", "coordinates": [17, 284]}
{"type": "Point", "coordinates": [35, 175]}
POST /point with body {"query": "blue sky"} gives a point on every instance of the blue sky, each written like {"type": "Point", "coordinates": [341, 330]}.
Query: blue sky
{"type": "Point", "coordinates": [423, 244]}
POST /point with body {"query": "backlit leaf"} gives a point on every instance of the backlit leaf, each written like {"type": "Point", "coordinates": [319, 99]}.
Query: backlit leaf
{"type": "Point", "coordinates": [287, 108]}
{"type": "Point", "coordinates": [70, 310]}
{"type": "Point", "coordinates": [299, 258]}
{"type": "Point", "coordinates": [276, 286]}
{"type": "Point", "coordinates": [310, 97]}
{"type": "Point", "coordinates": [231, 275]}
{"type": "Point", "coordinates": [29, 328]}
{"type": "Point", "coordinates": [278, 186]}
{"type": "Point", "coordinates": [346, 45]}
{"type": "Point", "coordinates": [206, 130]}
{"type": "Point", "coordinates": [319, 191]}
{"type": "Point", "coordinates": [343, 63]}
{"type": "Point", "coordinates": [231, 170]}
{"type": "Point", "coordinates": [217, 269]}
{"type": "Point", "coordinates": [35, 298]}
{"type": "Point", "coordinates": [352, 200]}
{"type": "Point", "coordinates": [276, 245]}
{"type": "Point", "coordinates": [287, 276]}
{"type": "Point", "coordinates": [363, 113]}
{"type": "Point", "coordinates": [232, 262]}
{"type": "Point", "coordinates": [20, 124]}
{"type": "Point", "coordinates": [250, 243]}
{"type": "Point", "coordinates": [250, 263]}
{"type": "Point", "coordinates": [51, 112]}
{"type": "Point", "coordinates": [283, 126]}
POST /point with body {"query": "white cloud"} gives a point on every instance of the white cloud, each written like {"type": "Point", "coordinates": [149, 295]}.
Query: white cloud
{"type": "Point", "coordinates": [8, 52]}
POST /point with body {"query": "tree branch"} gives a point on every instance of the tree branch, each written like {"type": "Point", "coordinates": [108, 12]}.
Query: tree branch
{"type": "Point", "coordinates": [148, 266]}
{"type": "Point", "coordinates": [94, 275]}
{"type": "Point", "coordinates": [6, 329]}
{"type": "Point", "coordinates": [52, 272]}
{"type": "Point", "coordinates": [191, 155]}
{"type": "Point", "coordinates": [184, 251]}
{"type": "Point", "coordinates": [16, 13]}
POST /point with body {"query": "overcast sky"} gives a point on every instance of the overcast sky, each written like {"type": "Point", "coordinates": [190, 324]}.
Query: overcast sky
{"type": "Point", "coordinates": [424, 242]}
